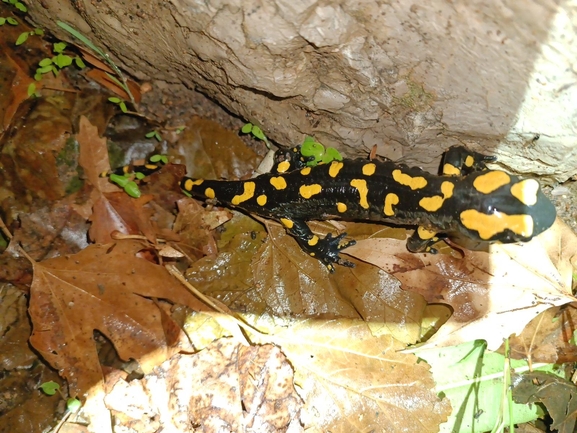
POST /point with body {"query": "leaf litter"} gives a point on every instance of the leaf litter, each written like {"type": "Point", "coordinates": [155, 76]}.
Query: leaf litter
{"type": "Point", "coordinates": [344, 338]}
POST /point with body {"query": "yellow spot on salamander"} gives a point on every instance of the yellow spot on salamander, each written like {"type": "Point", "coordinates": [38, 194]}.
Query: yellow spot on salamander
{"type": "Point", "coordinates": [526, 191]}
{"type": "Point", "coordinates": [189, 183]}
{"type": "Point", "coordinates": [447, 189]}
{"type": "Point", "coordinates": [335, 168]}
{"type": "Point", "coordinates": [390, 200]}
{"type": "Point", "coordinates": [489, 182]}
{"type": "Point", "coordinates": [451, 170]}
{"type": "Point", "coordinates": [414, 183]}
{"type": "Point", "coordinates": [488, 226]}
{"type": "Point", "coordinates": [261, 200]}
{"type": "Point", "coordinates": [278, 182]}
{"type": "Point", "coordinates": [434, 203]}
{"type": "Point", "coordinates": [469, 161]}
{"type": "Point", "coordinates": [369, 169]}
{"type": "Point", "coordinates": [307, 191]}
{"type": "Point", "coordinates": [283, 166]}
{"type": "Point", "coordinates": [246, 195]}
{"type": "Point", "coordinates": [341, 207]}
{"type": "Point", "coordinates": [151, 166]}
{"type": "Point", "coordinates": [305, 171]}
{"type": "Point", "coordinates": [209, 193]}
{"type": "Point", "coordinates": [425, 234]}
{"type": "Point", "coordinates": [287, 223]}
{"type": "Point", "coordinates": [431, 204]}
{"type": "Point", "coordinates": [313, 241]}
{"type": "Point", "coordinates": [361, 186]}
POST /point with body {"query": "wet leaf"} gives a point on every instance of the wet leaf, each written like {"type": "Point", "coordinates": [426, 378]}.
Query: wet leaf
{"type": "Point", "coordinates": [494, 294]}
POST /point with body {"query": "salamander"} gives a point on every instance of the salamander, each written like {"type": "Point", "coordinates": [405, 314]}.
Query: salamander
{"type": "Point", "coordinates": [466, 199]}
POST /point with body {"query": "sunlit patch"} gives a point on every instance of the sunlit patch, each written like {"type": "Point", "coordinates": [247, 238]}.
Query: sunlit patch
{"type": "Point", "coordinates": [248, 193]}
{"type": "Point", "coordinates": [313, 241]}
{"type": "Point", "coordinates": [414, 183]}
{"type": "Point", "coordinates": [335, 168]}
{"type": "Point", "coordinates": [287, 223]}
{"type": "Point", "coordinates": [261, 200]}
{"type": "Point", "coordinates": [492, 180]}
{"type": "Point", "coordinates": [209, 193]}
{"type": "Point", "coordinates": [489, 226]}
{"type": "Point", "coordinates": [526, 191]}
{"type": "Point", "coordinates": [425, 234]}
{"type": "Point", "coordinates": [341, 207]}
{"type": "Point", "coordinates": [469, 161]}
{"type": "Point", "coordinates": [283, 166]}
{"type": "Point", "coordinates": [278, 182]}
{"type": "Point", "coordinates": [369, 169]}
{"type": "Point", "coordinates": [361, 186]}
{"type": "Point", "coordinates": [390, 201]}
{"type": "Point", "coordinates": [307, 191]}
{"type": "Point", "coordinates": [305, 171]}
{"type": "Point", "coordinates": [451, 170]}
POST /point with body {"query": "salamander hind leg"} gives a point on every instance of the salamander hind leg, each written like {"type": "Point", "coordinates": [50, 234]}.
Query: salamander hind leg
{"type": "Point", "coordinates": [326, 250]}
{"type": "Point", "coordinates": [423, 239]}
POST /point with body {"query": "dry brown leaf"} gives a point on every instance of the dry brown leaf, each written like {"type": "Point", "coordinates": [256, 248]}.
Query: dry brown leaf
{"type": "Point", "coordinates": [227, 386]}
{"type": "Point", "coordinates": [351, 380]}
{"type": "Point", "coordinates": [102, 288]}
{"type": "Point", "coordinates": [494, 294]}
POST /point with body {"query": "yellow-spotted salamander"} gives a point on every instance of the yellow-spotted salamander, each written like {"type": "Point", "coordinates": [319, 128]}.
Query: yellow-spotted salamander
{"type": "Point", "coordinates": [466, 199]}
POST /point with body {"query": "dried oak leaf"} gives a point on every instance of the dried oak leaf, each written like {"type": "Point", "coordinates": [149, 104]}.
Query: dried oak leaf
{"type": "Point", "coordinates": [226, 386]}
{"type": "Point", "coordinates": [493, 295]}
{"type": "Point", "coordinates": [105, 288]}
{"type": "Point", "coordinates": [352, 380]}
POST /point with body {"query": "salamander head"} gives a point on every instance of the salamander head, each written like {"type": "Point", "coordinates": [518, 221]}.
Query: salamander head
{"type": "Point", "coordinates": [505, 208]}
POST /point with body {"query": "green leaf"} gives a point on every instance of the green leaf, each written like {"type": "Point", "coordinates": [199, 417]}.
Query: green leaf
{"type": "Point", "coordinates": [139, 175]}
{"type": "Point", "coordinates": [21, 7]}
{"type": "Point", "coordinates": [308, 139]}
{"type": "Point", "coordinates": [115, 100]}
{"type": "Point", "coordinates": [79, 62]}
{"type": "Point", "coordinates": [32, 89]}
{"type": "Point", "coordinates": [2, 21]}
{"type": "Point", "coordinates": [44, 62]}
{"type": "Point", "coordinates": [257, 132]}
{"type": "Point", "coordinates": [312, 148]}
{"type": "Point", "coordinates": [12, 21]}
{"type": "Point", "coordinates": [247, 128]}
{"type": "Point", "coordinates": [123, 108]}
{"type": "Point", "coordinates": [49, 388]}
{"type": "Point", "coordinates": [63, 60]}
{"type": "Point", "coordinates": [150, 134]}
{"type": "Point", "coordinates": [59, 47]}
{"type": "Point", "coordinates": [119, 180]}
{"type": "Point", "coordinates": [334, 154]}
{"type": "Point", "coordinates": [22, 38]}
{"type": "Point", "coordinates": [37, 76]}
{"type": "Point", "coordinates": [73, 405]}
{"type": "Point", "coordinates": [45, 69]}
{"type": "Point", "coordinates": [12, 2]}
{"type": "Point", "coordinates": [38, 32]}
{"type": "Point", "coordinates": [132, 190]}
{"type": "Point", "coordinates": [155, 158]}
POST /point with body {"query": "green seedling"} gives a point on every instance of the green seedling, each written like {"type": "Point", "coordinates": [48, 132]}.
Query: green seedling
{"type": "Point", "coordinates": [153, 134]}
{"type": "Point", "coordinates": [163, 159]}
{"type": "Point", "coordinates": [127, 184]}
{"type": "Point", "coordinates": [23, 37]}
{"type": "Point", "coordinates": [121, 104]}
{"type": "Point", "coordinates": [57, 62]}
{"type": "Point", "coordinates": [18, 5]}
{"type": "Point", "coordinates": [50, 388]}
{"type": "Point", "coordinates": [249, 128]}
{"type": "Point", "coordinates": [317, 153]}
{"type": "Point", "coordinates": [9, 20]}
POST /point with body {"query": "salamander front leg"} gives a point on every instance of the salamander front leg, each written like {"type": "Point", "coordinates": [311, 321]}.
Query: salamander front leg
{"type": "Point", "coordinates": [422, 241]}
{"type": "Point", "coordinates": [326, 250]}
{"type": "Point", "coordinates": [459, 161]}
